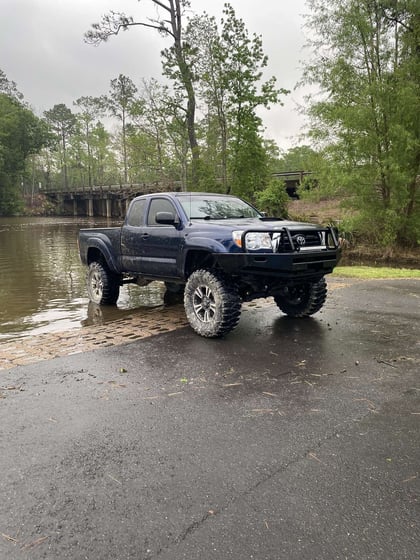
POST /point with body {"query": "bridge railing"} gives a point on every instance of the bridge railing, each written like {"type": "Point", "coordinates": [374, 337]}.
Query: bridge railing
{"type": "Point", "coordinates": [122, 189]}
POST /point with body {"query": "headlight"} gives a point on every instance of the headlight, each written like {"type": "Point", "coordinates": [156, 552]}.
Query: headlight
{"type": "Point", "coordinates": [253, 240]}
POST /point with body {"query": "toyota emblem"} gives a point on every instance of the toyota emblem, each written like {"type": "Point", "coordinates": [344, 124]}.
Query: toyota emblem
{"type": "Point", "coordinates": [300, 240]}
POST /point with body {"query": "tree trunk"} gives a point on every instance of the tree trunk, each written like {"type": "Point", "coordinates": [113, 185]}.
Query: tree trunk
{"type": "Point", "coordinates": [187, 80]}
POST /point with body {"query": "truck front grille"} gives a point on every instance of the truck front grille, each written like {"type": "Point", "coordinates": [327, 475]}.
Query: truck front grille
{"type": "Point", "coordinates": [285, 241]}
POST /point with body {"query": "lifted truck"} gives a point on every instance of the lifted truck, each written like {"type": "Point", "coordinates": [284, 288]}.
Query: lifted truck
{"type": "Point", "coordinates": [216, 249]}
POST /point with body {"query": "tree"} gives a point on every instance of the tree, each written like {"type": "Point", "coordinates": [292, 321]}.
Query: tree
{"type": "Point", "coordinates": [22, 134]}
{"type": "Point", "coordinates": [114, 22]}
{"type": "Point", "coordinates": [62, 121]}
{"type": "Point", "coordinates": [159, 138]}
{"type": "Point", "coordinates": [104, 165]}
{"type": "Point", "coordinates": [119, 103]}
{"type": "Point", "coordinates": [203, 33]}
{"type": "Point", "coordinates": [298, 158]}
{"type": "Point", "coordinates": [243, 62]}
{"type": "Point", "coordinates": [273, 199]}
{"type": "Point", "coordinates": [367, 64]}
{"type": "Point", "coordinates": [9, 87]}
{"type": "Point", "coordinates": [230, 65]}
{"type": "Point", "coordinates": [89, 108]}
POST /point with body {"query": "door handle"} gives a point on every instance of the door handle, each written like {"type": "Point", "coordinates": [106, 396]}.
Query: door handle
{"type": "Point", "coordinates": [145, 235]}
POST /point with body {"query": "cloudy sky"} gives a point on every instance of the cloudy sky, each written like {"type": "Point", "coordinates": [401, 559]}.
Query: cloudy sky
{"type": "Point", "coordinates": [42, 50]}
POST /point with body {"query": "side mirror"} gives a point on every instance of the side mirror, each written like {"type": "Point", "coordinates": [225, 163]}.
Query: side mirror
{"type": "Point", "coordinates": [166, 218]}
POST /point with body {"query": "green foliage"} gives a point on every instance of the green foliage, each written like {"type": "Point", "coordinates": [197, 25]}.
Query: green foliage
{"type": "Point", "coordinates": [299, 158]}
{"type": "Point", "coordinates": [248, 166]}
{"type": "Point", "coordinates": [273, 199]}
{"type": "Point", "coordinates": [9, 88]}
{"type": "Point", "coordinates": [242, 60]}
{"type": "Point", "coordinates": [21, 135]}
{"type": "Point", "coordinates": [230, 64]}
{"type": "Point", "coordinates": [158, 136]}
{"type": "Point", "coordinates": [10, 197]}
{"type": "Point", "coordinates": [368, 272]}
{"type": "Point", "coordinates": [120, 98]}
{"type": "Point", "coordinates": [119, 103]}
{"type": "Point", "coordinates": [63, 123]}
{"type": "Point", "coordinates": [90, 108]}
{"type": "Point", "coordinates": [368, 124]}
{"type": "Point", "coordinates": [61, 120]}
{"type": "Point", "coordinates": [158, 147]}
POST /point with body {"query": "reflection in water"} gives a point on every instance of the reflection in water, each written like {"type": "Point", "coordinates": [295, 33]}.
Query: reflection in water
{"type": "Point", "coordinates": [42, 287]}
{"type": "Point", "coordinates": [131, 296]}
{"type": "Point", "coordinates": [307, 328]}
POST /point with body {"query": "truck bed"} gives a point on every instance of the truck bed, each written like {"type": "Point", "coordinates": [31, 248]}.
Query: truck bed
{"type": "Point", "coordinates": [106, 240]}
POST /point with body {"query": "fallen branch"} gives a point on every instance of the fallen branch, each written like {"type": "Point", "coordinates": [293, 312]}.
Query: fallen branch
{"type": "Point", "coordinates": [386, 363]}
{"type": "Point", "coordinates": [9, 538]}
{"type": "Point", "coordinates": [35, 543]}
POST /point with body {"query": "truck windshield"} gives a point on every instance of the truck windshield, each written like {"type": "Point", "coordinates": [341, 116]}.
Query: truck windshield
{"type": "Point", "coordinates": [217, 208]}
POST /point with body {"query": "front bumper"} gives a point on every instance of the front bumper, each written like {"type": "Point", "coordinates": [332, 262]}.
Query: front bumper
{"type": "Point", "coordinates": [282, 265]}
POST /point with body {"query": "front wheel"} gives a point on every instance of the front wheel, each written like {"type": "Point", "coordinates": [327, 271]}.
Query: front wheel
{"type": "Point", "coordinates": [212, 305]}
{"type": "Point", "coordinates": [302, 300]}
{"type": "Point", "coordinates": [102, 285]}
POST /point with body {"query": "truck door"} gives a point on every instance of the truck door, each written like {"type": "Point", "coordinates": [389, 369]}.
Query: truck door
{"type": "Point", "coordinates": [160, 242]}
{"type": "Point", "coordinates": [132, 237]}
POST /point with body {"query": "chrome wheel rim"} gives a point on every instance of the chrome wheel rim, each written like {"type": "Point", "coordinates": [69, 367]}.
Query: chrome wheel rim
{"type": "Point", "coordinates": [96, 285]}
{"type": "Point", "coordinates": [204, 304]}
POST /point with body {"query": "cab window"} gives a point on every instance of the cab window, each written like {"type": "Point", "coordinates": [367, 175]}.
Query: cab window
{"type": "Point", "coordinates": [159, 205]}
{"type": "Point", "coordinates": [136, 215]}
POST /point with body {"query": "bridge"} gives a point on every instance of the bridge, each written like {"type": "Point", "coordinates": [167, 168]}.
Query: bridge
{"type": "Point", "coordinates": [110, 201]}
{"type": "Point", "coordinates": [292, 181]}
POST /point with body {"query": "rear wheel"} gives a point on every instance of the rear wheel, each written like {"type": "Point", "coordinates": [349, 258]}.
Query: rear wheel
{"type": "Point", "coordinates": [212, 304]}
{"type": "Point", "coordinates": [102, 285]}
{"type": "Point", "coordinates": [302, 300]}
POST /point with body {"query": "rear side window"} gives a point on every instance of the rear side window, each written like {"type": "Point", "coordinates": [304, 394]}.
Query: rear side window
{"type": "Point", "coordinates": [159, 205]}
{"type": "Point", "coordinates": [136, 215]}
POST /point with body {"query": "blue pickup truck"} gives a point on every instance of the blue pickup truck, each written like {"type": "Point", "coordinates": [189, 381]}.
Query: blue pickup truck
{"type": "Point", "coordinates": [216, 250]}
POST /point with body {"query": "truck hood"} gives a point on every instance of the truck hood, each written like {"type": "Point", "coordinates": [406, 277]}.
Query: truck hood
{"type": "Point", "coordinates": [252, 224]}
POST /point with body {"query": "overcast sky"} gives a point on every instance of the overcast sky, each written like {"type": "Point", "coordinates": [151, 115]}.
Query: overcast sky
{"type": "Point", "coordinates": [42, 50]}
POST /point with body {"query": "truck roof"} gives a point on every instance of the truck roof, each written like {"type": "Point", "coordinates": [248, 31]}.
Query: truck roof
{"type": "Point", "coordinates": [185, 194]}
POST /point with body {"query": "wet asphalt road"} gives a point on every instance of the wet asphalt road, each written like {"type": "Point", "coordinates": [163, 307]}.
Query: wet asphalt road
{"type": "Point", "coordinates": [289, 439]}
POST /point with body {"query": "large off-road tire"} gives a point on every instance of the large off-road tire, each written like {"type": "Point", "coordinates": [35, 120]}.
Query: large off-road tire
{"type": "Point", "coordinates": [212, 304]}
{"type": "Point", "coordinates": [102, 285]}
{"type": "Point", "coordinates": [302, 300]}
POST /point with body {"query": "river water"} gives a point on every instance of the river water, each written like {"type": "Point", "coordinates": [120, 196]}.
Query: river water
{"type": "Point", "coordinates": [42, 281]}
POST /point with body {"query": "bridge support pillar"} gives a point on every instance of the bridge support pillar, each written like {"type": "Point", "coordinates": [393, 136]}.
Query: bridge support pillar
{"type": "Point", "coordinates": [74, 207]}
{"type": "Point", "coordinates": [60, 203]}
{"type": "Point", "coordinates": [108, 202]}
{"type": "Point", "coordinates": [90, 207]}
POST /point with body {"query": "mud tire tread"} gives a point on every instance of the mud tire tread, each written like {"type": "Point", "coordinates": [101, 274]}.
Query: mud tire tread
{"type": "Point", "coordinates": [311, 299]}
{"type": "Point", "coordinates": [227, 303]}
{"type": "Point", "coordinates": [102, 285]}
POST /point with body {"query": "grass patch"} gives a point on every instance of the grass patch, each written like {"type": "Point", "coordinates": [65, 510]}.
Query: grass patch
{"type": "Point", "coordinates": [367, 272]}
